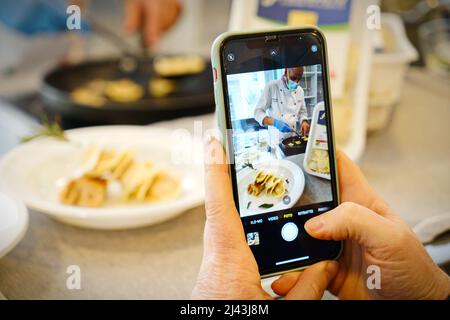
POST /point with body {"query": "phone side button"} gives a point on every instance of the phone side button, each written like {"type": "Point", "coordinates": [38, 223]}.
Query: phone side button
{"type": "Point", "coordinates": [215, 73]}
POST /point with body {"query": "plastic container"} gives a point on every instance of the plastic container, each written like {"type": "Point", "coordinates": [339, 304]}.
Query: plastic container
{"type": "Point", "coordinates": [316, 154]}
{"type": "Point", "coordinates": [350, 109]}
{"type": "Point", "coordinates": [389, 66]}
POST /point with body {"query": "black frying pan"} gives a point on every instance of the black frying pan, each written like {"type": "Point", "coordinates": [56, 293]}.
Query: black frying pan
{"type": "Point", "coordinates": [293, 145]}
{"type": "Point", "coordinates": [192, 94]}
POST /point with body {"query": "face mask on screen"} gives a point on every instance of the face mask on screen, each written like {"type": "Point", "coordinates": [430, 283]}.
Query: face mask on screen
{"type": "Point", "coordinates": [292, 85]}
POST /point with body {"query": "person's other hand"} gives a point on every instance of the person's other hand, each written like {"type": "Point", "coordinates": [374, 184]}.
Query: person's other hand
{"type": "Point", "coordinates": [281, 126]}
{"type": "Point", "coordinates": [229, 269]}
{"type": "Point", "coordinates": [304, 128]}
{"type": "Point", "coordinates": [151, 17]}
{"type": "Point", "coordinates": [374, 236]}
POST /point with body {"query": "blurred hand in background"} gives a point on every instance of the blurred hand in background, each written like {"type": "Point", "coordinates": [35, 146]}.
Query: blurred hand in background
{"type": "Point", "coordinates": [31, 17]}
{"type": "Point", "coordinates": [151, 17]}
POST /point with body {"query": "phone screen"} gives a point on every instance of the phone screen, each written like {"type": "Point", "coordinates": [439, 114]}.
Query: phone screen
{"type": "Point", "coordinates": [276, 93]}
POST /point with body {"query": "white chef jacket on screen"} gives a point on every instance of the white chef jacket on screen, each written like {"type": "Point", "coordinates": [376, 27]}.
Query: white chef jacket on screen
{"type": "Point", "coordinates": [278, 102]}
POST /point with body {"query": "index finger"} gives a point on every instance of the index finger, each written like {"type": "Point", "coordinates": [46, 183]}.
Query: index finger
{"type": "Point", "coordinates": [353, 186]}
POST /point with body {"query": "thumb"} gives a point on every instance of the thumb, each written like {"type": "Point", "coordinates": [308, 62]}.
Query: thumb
{"type": "Point", "coordinates": [223, 225]}
{"type": "Point", "coordinates": [313, 282]}
{"type": "Point", "coordinates": [351, 221]}
{"type": "Point", "coordinates": [133, 17]}
{"type": "Point", "coordinates": [218, 191]}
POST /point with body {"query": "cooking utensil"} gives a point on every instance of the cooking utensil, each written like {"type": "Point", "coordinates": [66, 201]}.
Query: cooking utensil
{"type": "Point", "coordinates": [298, 134]}
{"type": "Point", "coordinates": [129, 60]}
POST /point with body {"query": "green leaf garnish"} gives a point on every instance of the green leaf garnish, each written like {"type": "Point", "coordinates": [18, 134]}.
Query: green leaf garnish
{"type": "Point", "coordinates": [249, 165]}
{"type": "Point", "coordinates": [48, 129]}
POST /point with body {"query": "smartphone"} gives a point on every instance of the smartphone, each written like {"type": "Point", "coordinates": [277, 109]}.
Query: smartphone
{"type": "Point", "coordinates": [273, 108]}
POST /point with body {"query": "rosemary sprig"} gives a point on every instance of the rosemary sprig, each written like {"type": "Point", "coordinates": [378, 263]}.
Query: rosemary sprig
{"type": "Point", "coordinates": [249, 165]}
{"type": "Point", "coordinates": [48, 129]}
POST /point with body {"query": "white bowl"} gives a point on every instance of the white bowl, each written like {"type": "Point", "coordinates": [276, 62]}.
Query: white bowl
{"type": "Point", "coordinates": [13, 222]}
{"type": "Point", "coordinates": [32, 172]}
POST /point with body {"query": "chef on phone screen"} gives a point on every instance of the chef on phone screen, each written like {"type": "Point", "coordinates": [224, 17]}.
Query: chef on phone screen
{"type": "Point", "coordinates": [282, 103]}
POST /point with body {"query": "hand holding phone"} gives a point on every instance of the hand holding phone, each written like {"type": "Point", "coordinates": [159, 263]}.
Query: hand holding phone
{"type": "Point", "coordinates": [229, 269]}
{"type": "Point", "coordinates": [279, 179]}
{"type": "Point", "coordinates": [382, 258]}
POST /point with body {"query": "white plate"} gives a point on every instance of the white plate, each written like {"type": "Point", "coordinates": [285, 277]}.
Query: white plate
{"type": "Point", "coordinates": [32, 172]}
{"type": "Point", "coordinates": [281, 168]}
{"type": "Point", "coordinates": [13, 222]}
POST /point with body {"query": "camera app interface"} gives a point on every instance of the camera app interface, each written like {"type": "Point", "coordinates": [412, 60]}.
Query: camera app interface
{"type": "Point", "coordinates": [280, 143]}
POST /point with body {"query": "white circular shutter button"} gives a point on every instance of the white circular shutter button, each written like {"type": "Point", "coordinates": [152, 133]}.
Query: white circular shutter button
{"type": "Point", "coordinates": [289, 232]}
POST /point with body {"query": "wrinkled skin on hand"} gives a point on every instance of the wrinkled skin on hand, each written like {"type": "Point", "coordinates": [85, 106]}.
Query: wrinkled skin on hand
{"type": "Point", "coordinates": [228, 269]}
{"type": "Point", "coordinates": [373, 235]}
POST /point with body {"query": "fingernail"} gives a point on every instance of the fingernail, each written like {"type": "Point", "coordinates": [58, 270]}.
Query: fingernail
{"type": "Point", "coordinates": [314, 224]}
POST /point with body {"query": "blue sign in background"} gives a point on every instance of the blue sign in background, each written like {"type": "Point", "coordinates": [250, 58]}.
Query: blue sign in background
{"type": "Point", "coordinates": [334, 12]}
{"type": "Point", "coordinates": [322, 119]}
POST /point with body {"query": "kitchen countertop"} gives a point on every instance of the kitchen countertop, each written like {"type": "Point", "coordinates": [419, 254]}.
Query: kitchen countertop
{"type": "Point", "coordinates": [408, 164]}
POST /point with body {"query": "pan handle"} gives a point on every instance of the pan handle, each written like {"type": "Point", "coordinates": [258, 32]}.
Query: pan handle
{"type": "Point", "coordinates": [129, 60]}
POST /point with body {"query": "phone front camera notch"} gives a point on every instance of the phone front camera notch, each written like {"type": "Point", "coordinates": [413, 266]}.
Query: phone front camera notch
{"type": "Point", "coordinates": [272, 38]}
